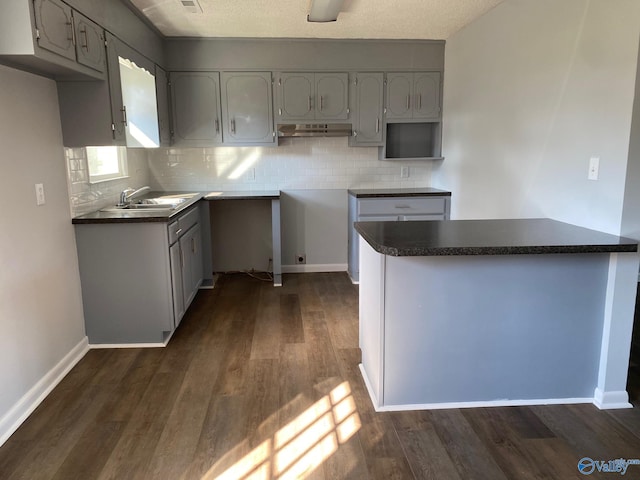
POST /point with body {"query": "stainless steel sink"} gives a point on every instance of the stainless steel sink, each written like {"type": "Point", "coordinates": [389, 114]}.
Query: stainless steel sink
{"type": "Point", "coordinates": [139, 208]}
{"type": "Point", "coordinates": [162, 204]}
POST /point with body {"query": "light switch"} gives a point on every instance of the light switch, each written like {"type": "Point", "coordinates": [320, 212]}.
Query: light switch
{"type": "Point", "coordinates": [404, 172]}
{"type": "Point", "coordinates": [594, 168]}
{"type": "Point", "coordinates": [39, 194]}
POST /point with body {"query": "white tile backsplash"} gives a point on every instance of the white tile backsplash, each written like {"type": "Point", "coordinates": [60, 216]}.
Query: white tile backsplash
{"type": "Point", "coordinates": [85, 197]}
{"type": "Point", "coordinates": [297, 163]}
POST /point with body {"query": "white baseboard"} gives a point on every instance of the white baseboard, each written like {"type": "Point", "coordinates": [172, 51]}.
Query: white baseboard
{"type": "Point", "coordinates": [98, 346]}
{"type": "Point", "coordinates": [483, 403]}
{"type": "Point", "coordinates": [30, 400]}
{"type": "Point", "coordinates": [478, 404]}
{"type": "Point", "coordinates": [611, 400]}
{"type": "Point", "coordinates": [367, 383]}
{"type": "Point", "coordinates": [315, 268]}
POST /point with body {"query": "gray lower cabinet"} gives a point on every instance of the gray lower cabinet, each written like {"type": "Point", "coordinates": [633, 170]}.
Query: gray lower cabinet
{"type": "Point", "coordinates": [413, 96]}
{"type": "Point", "coordinates": [138, 279]}
{"type": "Point", "coordinates": [368, 94]}
{"type": "Point", "coordinates": [186, 270]}
{"type": "Point", "coordinates": [247, 112]}
{"type": "Point", "coordinates": [390, 209]}
{"type": "Point", "coordinates": [175, 257]}
{"type": "Point", "coordinates": [312, 96]}
{"type": "Point", "coordinates": [195, 102]}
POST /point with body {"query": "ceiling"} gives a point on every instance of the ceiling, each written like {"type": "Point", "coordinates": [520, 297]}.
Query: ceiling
{"type": "Point", "coordinates": [388, 19]}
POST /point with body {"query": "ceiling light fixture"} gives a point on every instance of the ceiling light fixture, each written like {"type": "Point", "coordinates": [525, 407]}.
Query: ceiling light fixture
{"type": "Point", "coordinates": [324, 10]}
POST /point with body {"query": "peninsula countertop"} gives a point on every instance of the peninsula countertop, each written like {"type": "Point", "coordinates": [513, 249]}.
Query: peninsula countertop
{"type": "Point", "coordinates": [488, 237]}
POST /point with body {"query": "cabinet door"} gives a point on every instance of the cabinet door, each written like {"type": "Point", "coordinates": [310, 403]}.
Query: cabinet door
{"type": "Point", "coordinates": [296, 94]}
{"type": "Point", "coordinates": [187, 268]}
{"type": "Point", "coordinates": [246, 108]}
{"type": "Point", "coordinates": [195, 101]}
{"type": "Point", "coordinates": [55, 27]}
{"type": "Point", "coordinates": [118, 113]}
{"type": "Point", "coordinates": [196, 258]}
{"type": "Point", "coordinates": [368, 121]}
{"type": "Point", "coordinates": [426, 95]}
{"type": "Point", "coordinates": [332, 100]}
{"type": "Point", "coordinates": [162, 96]}
{"type": "Point", "coordinates": [399, 101]}
{"type": "Point", "coordinates": [90, 48]}
{"type": "Point", "coordinates": [175, 258]}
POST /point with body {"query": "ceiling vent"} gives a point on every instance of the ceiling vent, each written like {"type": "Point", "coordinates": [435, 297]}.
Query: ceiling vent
{"type": "Point", "coordinates": [191, 6]}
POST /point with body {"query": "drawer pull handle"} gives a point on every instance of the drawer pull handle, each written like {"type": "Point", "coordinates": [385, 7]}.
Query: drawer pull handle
{"type": "Point", "coordinates": [403, 206]}
{"type": "Point", "coordinates": [179, 231]}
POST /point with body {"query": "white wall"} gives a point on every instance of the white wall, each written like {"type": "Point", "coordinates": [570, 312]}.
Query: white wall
{"type": "Point", "coordinates": [532, 90]}
{"type": "Point", "coordinates": [313, 174]}
{"type": "Point", "coordinates": [631, 211]}
{"type": "Point", "coordinates": [41, 316]}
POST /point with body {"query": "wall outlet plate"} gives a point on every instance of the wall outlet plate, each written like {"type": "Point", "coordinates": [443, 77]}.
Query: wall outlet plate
{"type": "Point", "coordinates": [301, 259]}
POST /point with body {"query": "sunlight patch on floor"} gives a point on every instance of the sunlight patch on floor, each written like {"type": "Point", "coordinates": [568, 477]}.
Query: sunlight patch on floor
{"type": "Point", "coordinates": [301, 446]}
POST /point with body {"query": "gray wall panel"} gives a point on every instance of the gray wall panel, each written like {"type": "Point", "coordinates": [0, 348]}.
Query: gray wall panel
{"type": "Point", "coordinates": [304, 54]}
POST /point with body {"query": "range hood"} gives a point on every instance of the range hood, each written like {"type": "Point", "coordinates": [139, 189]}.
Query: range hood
{"type": "Point", "coordinates": [315, 130]}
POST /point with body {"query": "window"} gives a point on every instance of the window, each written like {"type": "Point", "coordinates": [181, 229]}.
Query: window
{"type": "Point", "coordinates": [106, 163]}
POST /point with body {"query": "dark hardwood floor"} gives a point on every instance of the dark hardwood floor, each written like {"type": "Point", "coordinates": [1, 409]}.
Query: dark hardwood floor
{"type": "Point", "coordinates": [261, 382]}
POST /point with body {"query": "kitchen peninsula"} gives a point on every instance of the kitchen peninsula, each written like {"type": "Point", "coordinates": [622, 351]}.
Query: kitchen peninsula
{"type": "Point", "coordinates": [472, 313]}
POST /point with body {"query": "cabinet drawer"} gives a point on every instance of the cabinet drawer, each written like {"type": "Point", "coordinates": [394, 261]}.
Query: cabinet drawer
{"type": "Point", "coordinates": [401, 206]}
{"type": "Point", "coordinates": [182, 224]}
{"type": "Point", "coordinates": [173, 232]}
{"type": "Point", "coordinates": [189, 219]}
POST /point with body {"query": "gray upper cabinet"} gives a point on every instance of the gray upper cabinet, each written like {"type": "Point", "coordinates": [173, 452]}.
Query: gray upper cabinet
{"type": "Point", "coordinates": [426, 88]}
{"type": "Point", "coordinates": [48, 36]}
{"type": "Point", "coordinates": [312, 96]}
{"type": "Point", "coordinates": [162, 94]}
{"type": "Point", "coordinates": [54, 24]}
{"type": "Point", "coordinates": [368, 91]}
{"type": "Point", "coordinates": [115, 49]}
{"type": "Point", "coordinates": [247, 113]}
{"type": "Point", "coordinates": [89, 37]}
{"type": "Point", "coordinates": [195, 102]}
{"type": "Point", "coordinates": [413, 96]}
{"type": "Point", "coordinates": [120, 111]}
{"type": "Point", "coordinates": [296, 96]}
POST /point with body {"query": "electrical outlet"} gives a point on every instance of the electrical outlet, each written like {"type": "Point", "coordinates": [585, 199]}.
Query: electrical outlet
{"type": "Point", "coordinates": [39, 194]}
{"type": "Point", "coordinates": [301, 259]}
{"type": "Point", "coordinates": [404, 172]}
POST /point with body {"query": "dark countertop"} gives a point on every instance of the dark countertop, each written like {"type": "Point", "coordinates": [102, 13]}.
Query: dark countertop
{"type": "Point", "coordinates": [397, 192]}
{"type": "Point", "coordinates": [142, 216]}
{"type": "Point", "coordinates": [240, 195]}
{"type": "Point", "coordinates": [488, 237]}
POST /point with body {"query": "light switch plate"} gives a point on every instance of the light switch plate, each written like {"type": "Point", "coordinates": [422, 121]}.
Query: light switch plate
{"type": "Point", "coordinates": [40, 194]}
{"type": "Point", "coordinates": [404, 172]}
{"type": "Point", "coordinates": [594, 168]}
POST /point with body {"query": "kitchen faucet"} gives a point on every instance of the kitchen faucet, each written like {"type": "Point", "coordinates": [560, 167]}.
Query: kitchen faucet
{"type": "Point", "coordinates": [128, 193]}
